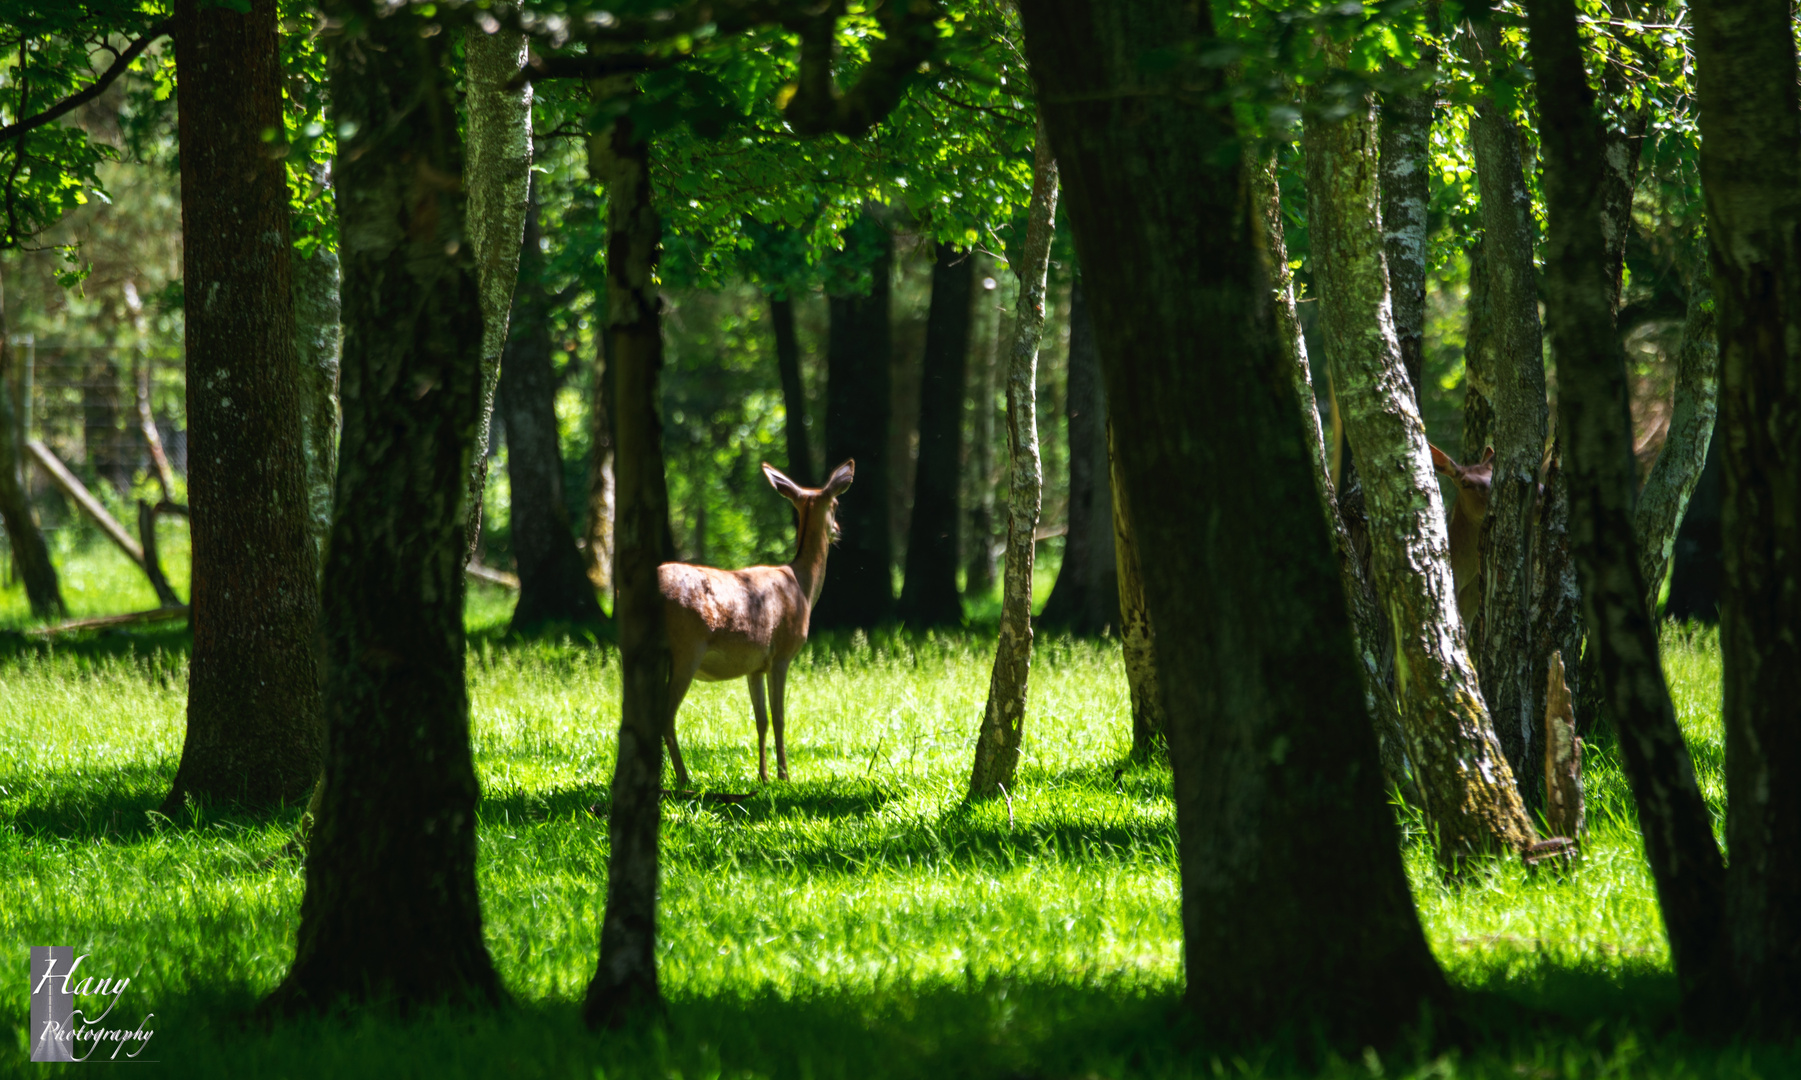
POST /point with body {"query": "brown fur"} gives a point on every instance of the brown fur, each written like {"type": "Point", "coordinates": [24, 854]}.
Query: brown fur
{"type": "Point", "coordinates": [750, 623]}
{"type": "Point", "coordinates": [1473, 485]}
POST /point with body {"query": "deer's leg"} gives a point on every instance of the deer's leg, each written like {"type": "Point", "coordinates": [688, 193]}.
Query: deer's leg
{"type": "Point", "coordinates": [778, 685]}
{"type": "Point", "coordinates": [681, 676]}
{"type": "Point", "coordinates": [760, 710]}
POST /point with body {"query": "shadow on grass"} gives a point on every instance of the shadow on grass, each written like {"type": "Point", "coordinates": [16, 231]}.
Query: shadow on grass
{"type": "Point", "coordinates": [117, 805]}
{"type": "Point", "coordinates": [152, 643]}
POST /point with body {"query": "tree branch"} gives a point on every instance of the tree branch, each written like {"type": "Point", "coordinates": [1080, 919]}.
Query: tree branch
{"type": "Point", "coordinates": [98, 87]}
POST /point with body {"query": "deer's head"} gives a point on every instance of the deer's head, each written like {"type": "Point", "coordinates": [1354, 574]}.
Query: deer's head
{"type": "Point", "coordinates": [817, 507]}
{"type": "Point", "coordinates": [1473, 481]}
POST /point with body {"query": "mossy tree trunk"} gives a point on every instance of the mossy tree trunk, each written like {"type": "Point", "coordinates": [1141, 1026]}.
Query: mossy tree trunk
{"type": "Point", "coordinates": [254, 735]}
{"type": "Point", "coordinates": [1004, 715]}
{"type": "Point", "coordinates": [1294, 901]}
{"type": "Point", "coordinates": [391, 913]}
{"type": "Point", "coordinates": [929, 595]}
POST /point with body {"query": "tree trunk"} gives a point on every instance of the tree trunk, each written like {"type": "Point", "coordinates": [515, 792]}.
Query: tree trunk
{"type": "Point", "coordinates": [978, 577]}
{"type": "Point", "coordinates": [1138, 643]}
{"type": "Point", "coordinates": [391, 913]}
{"type": "Point", "coordinates": [859, 586]}
{"type": "Point", "coordinates": [1596, 428]}
{"type": "Point", "coordinates": [1751, 175]}
{"type": "Point", "coordinates": [1465, 783]}
{"type": "Point", "coordinates": [1406, 188]}
{"type": "Point", "coordinates": [321, 342]}
{"type": "Point", "coordinates": [1004, 716]}
{"type": "Point", "coordinates": [254, 735]}
{"type": "Point", "coordinates": [1504, 644]}
{"type": "Point", "coordinates": [1478, 364]}
{"type": "Point", "coordinates": [499, 174]}
{"type": "Point", "coordinates": [1085, 599]}
{"type": "Point", "coordinates": [929, 596]}
{"type": "Point", "coordinates": [597, 522]}
{"type": "Point", "coordinates": [794, 394]}
{"type": "Point", "coordinates": [1371, 634]}
{"type": "Point", "coordinates": [1667, 490]}
{"type": "Point", "coordinates": [31, 557]}
{"type": "Point", "coordinates": [1697, 563]}
{"type": "Point", "coordinates": [625, 982]}
{"type": "Point", "coordinates": [1294, 902]}
{"type": "Point", "coordinates": [553, 583]}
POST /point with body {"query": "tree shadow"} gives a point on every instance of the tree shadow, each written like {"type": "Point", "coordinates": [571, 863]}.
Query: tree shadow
{"type": "Point", "coordinates": [118, 806]}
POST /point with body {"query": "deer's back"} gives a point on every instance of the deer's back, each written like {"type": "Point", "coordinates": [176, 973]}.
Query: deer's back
{"type": "Point", "coordinates": [759, 609]}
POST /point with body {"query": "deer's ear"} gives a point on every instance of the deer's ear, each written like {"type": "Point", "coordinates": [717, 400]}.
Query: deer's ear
{"type": "Point", "coordinates": [1441, 462]}
{"type": "Point", "coordinates": [841, 477]}
{"type": "Point", "coordinates": [786, 487]}
{"type": "Point", "coordinates": [1488, 455]}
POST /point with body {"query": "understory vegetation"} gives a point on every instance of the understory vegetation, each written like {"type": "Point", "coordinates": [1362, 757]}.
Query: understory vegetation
{"type": "Point", "coordinates": [862, 921]}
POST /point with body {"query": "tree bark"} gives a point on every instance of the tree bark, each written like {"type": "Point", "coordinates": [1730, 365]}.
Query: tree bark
{"type": "Point", "coordinates": [929, 595]}
{"type": "Point", "coordinates": [978, 576]}
{"type": "Point", "coordinates": [1751, 177]}
{"type": "Point", "coordinates": [1467, 787]}
{"type": "Point", "coordinates": [1595, 423]}
{"type": "Point", "coordinates": [597, 521]}
{"type": "Point", "coordinates": [1665, 496]}
{"type": "Point", "coordinates": [1371, 635]}
{"type": "Point", "coordinates": [1406, 189]}
{"type": "Point", "coordinates": [1085, 598]}
{"type": "Point", "coordinates": [859, 588]}
{"type": "Point", "coordinates": [391, 913]}
{"type": "Point", "coordinates": [1697, 563]}
{"type": "Point", "coordinates": [31, 557]}
{"type": "Point", "coordinates": [1294, 902]}
{"type": "Point", "coordinates": [1138, 642]}
{"type": "Point", "coordinates": [321, 341]}
{"type": "Point", "coordinates": [1478, 364]}
{"type": "Point", "coordinates": [1004, 716]}
{"type": "Point", "coordinates": [254, 735]}
{"type": "Point", "coordinates": [553, 582]}
{"type": "Point", "coordinates": [794, 394]}
{"type": "Point", "coordinates": [1504, 644]}
{"type": "Point", "coordinates": [625, 982]}
{"type": "Point", "coordinates": [499, 173]}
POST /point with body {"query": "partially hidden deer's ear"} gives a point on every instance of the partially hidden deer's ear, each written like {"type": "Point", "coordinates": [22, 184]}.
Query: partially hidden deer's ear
{"type": "Point", "coordinates": [786, 487]}
{"type": "Point", "coordinates": [841, 477]}
{"type": "Point", "coordinates": [1442, 462]}
{"type": "Point", "coordinates": [1488, 455]}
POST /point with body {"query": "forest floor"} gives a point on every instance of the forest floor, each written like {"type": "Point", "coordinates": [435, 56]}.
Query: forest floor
{"type": "Point", "coordinates": [861, 921]}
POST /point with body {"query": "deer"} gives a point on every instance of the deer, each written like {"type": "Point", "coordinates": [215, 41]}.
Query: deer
{"type": "Point", "coordinates": [1473, 485]}
{"type": "Point", "coordinates": [750, 623]}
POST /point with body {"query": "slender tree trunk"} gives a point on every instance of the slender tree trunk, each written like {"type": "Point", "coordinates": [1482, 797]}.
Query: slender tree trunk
{"type": "Point", "coordinates": [978, 577]}
{"type": "Point", "coordinates": [1406, 188]}
{"type": "Point", "coordinates": [1294, 902]}
{"type": "Point", "coordinates": [794, 394]}
{"type": "Point", "coordinates": [254, 735]}
{"type": "Point", "coordinates": [1468, 790]}
{"type": "Point", "coordinates": [597, 522]}
{"type": "Point", "coordinates": [1373, 639]}
{"type": "Point", "coordinates": [391, 913]}
{"type": "Point", "coordinates": [320, 338]}
{"type": "Point", "coordinates": [31, 557]}
{"type": "Point", "coordinates": [1751, 175]}
{"type": "Point", "coordinates": [859, 588]}
{"type": "Point", "coordinates": [1478, 365]}
{"type": "Point", "coordinates": [499, 173]}
{"type": "Point", "coordinates": [1138, 643]}
{"type": "Point", "coordinates": [929, 596]}
{"type": "Point", "coordinates": [553, 582]}
{"type": "Point", "coordinates": [625, 982]}
{"type": "Point", "coordinates": [1085, 599]}
{"type": "Point", "coordinates": [1504, 645]}
{"type": "Point", "coordinates": [1667, 490]}
{"type": "Point", "coordinates": [1004, 717]}
{"type": "Point", "coordinates": [1596, 427]}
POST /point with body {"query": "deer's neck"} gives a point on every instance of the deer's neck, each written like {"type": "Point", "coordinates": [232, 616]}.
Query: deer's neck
{"type": "Point", "coordinates": [809, 561]}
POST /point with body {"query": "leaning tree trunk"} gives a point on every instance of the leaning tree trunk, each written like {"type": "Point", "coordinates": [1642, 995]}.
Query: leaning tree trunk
{"type": "Point", "coordinates": [391, 912]}
{"type": "Point", "coordinates": [625, 982]}
{"type": "Point", "coordinates": [1504, 644]}
{"type": "Point", "coordinates": [1596, 428]}
{"type": "Point", "coordinates": [1751, 174]}
{"type": "Point", "coordinates": [1004, 716]}
{"type": "Point", "coordinates": [1373, 639]}
{"type": "Point", "coordinates": [859, 585]}
{"type": "Point", "coordinates": [1467, 788]}
{"type": "Point", "coordinates": [1664, 498]}
{"type": "Point", "coordinates": [553, 582]}
{"type": "Point", "coordinates": [1294, 900]}
{"type": "Point", "coordinates": [794, 394]}
{"type": "Point", "coordinates": [598, 516]}
{"type": "Point", "coordinates": [254, 736]}
{"type": "Point", "coordinates": [1085, 598]}
{"type": "Point", "coordinates": [30, 555]}
{"type": "Point", "coordinates": [929, 596]}
{"type": "Point", "coordinates": [499, 172]}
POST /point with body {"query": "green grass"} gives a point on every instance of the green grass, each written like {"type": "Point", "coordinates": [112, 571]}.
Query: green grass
{"type": "Point", "coordinates": [859, 922]}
